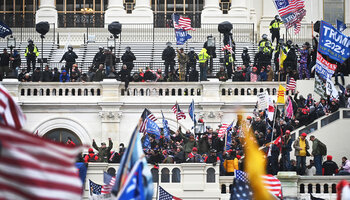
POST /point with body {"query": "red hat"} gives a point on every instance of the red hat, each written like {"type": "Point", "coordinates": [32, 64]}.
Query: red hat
{"type": "Point", "coordinates": [249, 117]}
{"type": "Point", "coordinates": [194, 149]}
{"type": "Point", "coordinates": [229, 151]}
{"type": "Point", "coordinates": [304, 134]}
{"type": "Point", "coordinates": [91, 150]}
{"type": "Point", "coordinates": [237, 131]}
{"type": "Point", "coordinates": [287, 131]}
{"type": "Point", "coordinates": [239, 157]}
{"type": "Point", "coordinates": [329, 157]}
{"type": "Point", "coordinates": [255, 68]}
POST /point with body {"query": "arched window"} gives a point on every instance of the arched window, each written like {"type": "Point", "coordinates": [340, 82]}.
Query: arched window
{"type": "Point", "coordinates": [210, 175]}
{"type": "Point", "coordinates": [154, 173]}
{"type": "Point", "coordinates": [61, 135]}
{"type": "Point", "coordinates": [175, 177]}
{"type": "Point", "coordinates": [165, 177]}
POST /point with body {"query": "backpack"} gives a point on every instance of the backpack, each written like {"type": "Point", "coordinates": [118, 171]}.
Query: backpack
{"type": "Point", "coordinates": [91, 159]}
{"type": "Point", "coordinates": [323, 148]}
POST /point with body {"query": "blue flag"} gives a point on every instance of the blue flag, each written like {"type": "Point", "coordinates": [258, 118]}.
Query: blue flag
{"type": "Point", "coordinates": [133, 188]}
{"type": "Point", "coordinates": [94, 188]}
{"type": "Point", "coordinates": [4, 30]}
{"type": "Point", "coordinates": [152, 128]}
{"type": "Point", "coordinates": [340, 26]}
{"type": "Point", "coordinates": [182, 36]}
{"type": "Point", "coordinates": [107, 178]}
{"type": "Point", "coordinates": [146, 143]}
{"type": "Point", "coordinates": [229, 136]}
{"type": "Point", "coordinates": [166, 128]}
{"type": "Point", "coordinates": [130, 157]}
{"type": "Point", "coordinates": [333, 43]}
{"type": "Point", "coordinates": [191, 112]}
{"type": "Point", "coordinates": [82, 167]}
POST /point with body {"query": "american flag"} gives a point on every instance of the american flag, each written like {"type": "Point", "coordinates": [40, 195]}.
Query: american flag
{"type": "Point", "coordinates": [146, 113]}
{"type": "Point", "coordinates": [227, 47]}
{"type": "Point", "coordinates": [164, 195]}
{"type": "Point", "coordinates": [273, 185]}
{"type": "Point", "coordinates": [241, 190]}
{"type": "Point", "coordinates": [95, 188]}
{"type": "Point", "coordinates": [223, 130]}
{"type": "Point", "coordinates": [182, 22]}
{"type": "Point", "coordinates": [241, 175]}
{"type": "Point", "coordinates": [291, 84]}
{"type": "Point", "coordinates": [290, 6]}
{"type": "Point", "coordinates": [179, 114]}
{"type": "Point", "coordinates": [109, 183]}
{"type": "Point", "coordinates": [286, 7]}
{"type": "Point", "coordinates": [32, 167]}
{"type": "Point", "coordinates": [10, 113]}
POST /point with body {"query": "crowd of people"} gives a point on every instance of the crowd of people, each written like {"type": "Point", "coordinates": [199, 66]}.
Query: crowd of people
{"type": "Point", "coordinates": [273, 137]}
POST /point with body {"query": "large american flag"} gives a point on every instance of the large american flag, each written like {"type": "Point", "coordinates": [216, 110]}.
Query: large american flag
{"type": "Point", "coordinates": [109, 183]}
{"type": "Point", "coordinates": [164, 195]}
{"type": "Point", "coordinates": [32, 167]}
{"type": "Point", "coordinates": [228, 48]}
{"type": "Point", "coordinates": [287, 7]}
{"type": "Point", "coordinates": [182, 22]}
{"type": "Point", "coordinates": [290, 6]}
{"type": "Point", "coordinates": [177, 111]}
{"type": "Point", "coordinates": [223, 130]}
{"type": "Point", "coordinates": [10, 113]}
{"type": "Point", "coordinates": [146, 113]}
{"type": "Point", "coordinates": [291, 84]}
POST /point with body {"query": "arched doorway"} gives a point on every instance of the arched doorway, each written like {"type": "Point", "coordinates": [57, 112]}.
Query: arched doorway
{"type": "Point", "coordinates": [61, 135]}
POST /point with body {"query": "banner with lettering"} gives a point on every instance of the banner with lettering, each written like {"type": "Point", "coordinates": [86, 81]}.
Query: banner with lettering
{"type": "Point", "coordinates": [4, 30]}
{"type": "Point", "coordinates": [333, 43]}
{"type": "Point", "coordinates": [324, 68]}
{"type": "Point", "coordinates": [182, 36]}
{"type": "Point", "coordinates": [320, 86]}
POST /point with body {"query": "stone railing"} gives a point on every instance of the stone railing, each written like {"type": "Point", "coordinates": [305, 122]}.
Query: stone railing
{"type": "Point", "coordinates": [184, 180]}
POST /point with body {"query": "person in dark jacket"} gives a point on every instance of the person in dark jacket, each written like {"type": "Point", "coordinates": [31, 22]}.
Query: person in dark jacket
{"type": "Point", "coordinates": [168, 56]}
{"type": "Point", "coordinates": [149, 76]}
{"type": "Point", "coordinates": [27, 78]}
{"type": "Point", "coordinates": [110, 61]}
{"type": "Point", "coordinates": [69, 57]}
{"type": "Point", "coordinates": [128, 58]}
{"type": "Point", "coordinates": [4, 64]}
{"type": "Point", "coordinates": [179, 155]}
{"type": "Point", "coordinates": [31, 53]}
{"type": "Point", "coordinates": [103, 151]}
{"type": "Point", "coordinates": [36, 76]}
{"type": "Point", "coordinates": [192, 62]}
{"type": "Point", "coordinates": [245, 57]}
{"type": "Point", "coordinates": [16, 62]}
{"type": "Point", "coordinates": [21, 75]}
{"type": "Point", "coordinates": [99, 74]}
{"type": "Point", "coordinates": [99, 57]}
{"type": "Point", "coordinates": [46, 75]}
{"type": "Point", "coordinates": [56, 75]}
{"type": "Point", "coordinates": [91, 156]}
{"type": "Point", "coordinates": [64, 77]}
{"type": "Point", "coordinates": [329, 167]}
{"type": "Point", "coordinates": [124, 75]}
{"type": "Point", "coordinates": [194, 75]}
{"type": "Point", "coordinates": [287, 142]}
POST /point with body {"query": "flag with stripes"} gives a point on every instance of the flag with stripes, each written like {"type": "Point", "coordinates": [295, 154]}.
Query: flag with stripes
{"type": "Point", "coordinates": [223, 130]}
{"type": "Point", "coordinates": [10, 113]}
{"type": "Point", "coordinates": [146, 113]}
{"type": "Point", "coordinates": [164, 195]}
{"type": "Point", "coordinates": [291, 12]}
{"type": "Point", "coordinates": [109, 182]}
{"type": "Point", "coordinates": [182, 22]}
{"type": "Point", "coordinates": [228, 48]}
{"type": "Point", "coordinates": [273, 185]}
{"type": "Point", "coordinates": [291, 84]}
{"type": "Point", "coordinates": [94, 188]}
{"type": "Point", "coordinates": [177, 111]}
{"type": "Point", "coordinates": [32, 167]}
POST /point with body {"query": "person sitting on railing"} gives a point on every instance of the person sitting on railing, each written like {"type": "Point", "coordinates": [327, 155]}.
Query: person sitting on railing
{"type": "Point", "coordinates": [36, 76]}
{"type": "Point", "coordinates": [263, 75]}
{"type": "Point", "coordinates": [46, 75]}
{"type": "Point", "coordinates": [64, 77]}
{"type": "Point", "coordinates": [149, 75]}
{"type": "Point", "coordinates": [230, 163]}
{"type": "Point", "coordinates": [91, 156]}
{"type": "Point", "coordinates": [310, 169]}
{"type": "Point", "coordinates": [194, 75]}
{"type": "Point", "coordinates": [99, 75]}
{"type": "Point", "coordinates": [124, 76]}
{"type": "Point", "coordinates": [172, 76]}
{"type": "Point", "coordinates": [74, 77]}
{"type": "Point", "coordinates": [222, 75]}
{"type": "Point", "coordinates": [194, 157]}
{"type": "Point", "coordinates": [238, 75]}
{"type": "Point", "coordinates": [269, 73]}
{"type": "Point", "coordinates": [345, 168]}
{"type": "Point", "coordinates": [21, 75]}
{"type": "Point", "coordinates": [76, 70]}
{"type": "Point", "coordinates": [160, 76]}
{"type": "Point", "coordinates": [212, 158]}
{"type": "Point", "coordinates": [27, 78]}
{"type": "Point", "coordinates": [252, 76]}
{"type": "Point", "coordinates": [329, 167]}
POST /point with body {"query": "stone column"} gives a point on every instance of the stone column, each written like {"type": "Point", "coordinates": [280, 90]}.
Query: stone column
{"type": "Point", "coordinates": [47, 12]}
{"type": "Point", "coordinates": [115, 12]}
{"type": "Point", "coordinates": [142, 12]}
{"type": "Point", "coordinates": [239, 11]}
{"type": "Point", "coordinates": [211, 12]}
{"type": "Point", "coordinates": [289, 182]}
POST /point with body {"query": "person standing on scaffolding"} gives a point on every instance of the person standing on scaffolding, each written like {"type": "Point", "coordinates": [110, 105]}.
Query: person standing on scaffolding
{"type": "Point", "coordinates": [182, 58]}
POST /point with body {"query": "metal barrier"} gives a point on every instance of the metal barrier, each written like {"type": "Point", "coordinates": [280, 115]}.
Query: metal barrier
{"type": "Point", "coordinates": [18, 19]}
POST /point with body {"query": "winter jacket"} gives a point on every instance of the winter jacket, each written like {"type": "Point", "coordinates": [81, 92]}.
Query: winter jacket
{"type": "Point", "coordinates": [297, 148]}
{"type": "Point", "coordinates": [103, 153]}
{"type": "Point", "coordinates": [168, 54]}
{"type": "Point", "coordinates": [231, 165]}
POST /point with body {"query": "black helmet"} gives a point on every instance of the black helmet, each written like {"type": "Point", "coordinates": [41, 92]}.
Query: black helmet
{"type": "Point", "coordinates": [289, 42]}
{"type": "Point", "coordinates": [264, 36]}
{"type": "Point", "coordinates": [30, 41]}
{"type": "Point", "coordinates": [277, 17]}
{"type": "Point", "coordinates": [245, 48]}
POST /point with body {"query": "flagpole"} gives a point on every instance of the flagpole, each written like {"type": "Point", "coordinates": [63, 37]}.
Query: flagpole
{"type": "Point", "coordinates": [231, 55]}
{"type": "Point", "coordinates": [157, 194]}
{"type": "Point", "coordinates": [177, 119]}
{"type": "Point", "coordinates": [225, 141]}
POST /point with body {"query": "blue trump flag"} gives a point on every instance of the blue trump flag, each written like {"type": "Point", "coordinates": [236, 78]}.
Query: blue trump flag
{"type": "Point", "coordinates": [229, 136]}
{"type": "Point", "coordinates": [333, 43]}
{"type": "Point", "coordinates": [4, 30]}
{"type": "Point", "coordinates": [152, 128]}
{"type": "Point", "coordinates": [146, 143]}
{"type": "Point", "coordinates": [166, 128]}
{"type": "Point", "coordinates": [132, 155]}
{"type": "Point", "coordinates": [182, 36]}
{"type": "Point", "coordinates": [191, 112]}
{"type": "Point", "coordinates": [133, 188]}
{"type": "Point", "coordinates": [340, 26]}
{"type": "Point", "coordinates": [82, 167]}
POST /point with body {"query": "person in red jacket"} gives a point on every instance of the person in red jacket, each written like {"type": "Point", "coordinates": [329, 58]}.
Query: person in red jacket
{"type": "Point", "coordinates": [91, 157]}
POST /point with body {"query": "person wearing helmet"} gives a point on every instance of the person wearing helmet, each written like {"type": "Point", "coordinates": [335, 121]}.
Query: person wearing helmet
{"type": "Point", "coordinates": [192, 62]}
{"type": "Point", "coordinates": [99, 57]}
{"type": "Point", "coordinates": [264, 56]}
{"type": "Point", "coordinates": [31, 53]}
{"type": "Point", "coordinates": [69, 57]}
{"type": "Point", "coordinates": [128, 59]}
{"type": "Point", "coordinates": [290, 64]}
{"type": "Point", "coordinates": [168, 56]}
{"type": "Point", "coordinates": [303, 68]}
{"type": "Point", "coordinates": [275, 29]}
{"type": "Point", "coordinates": [245, 57]}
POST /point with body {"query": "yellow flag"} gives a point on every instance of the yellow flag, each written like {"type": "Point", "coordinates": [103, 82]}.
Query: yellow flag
{"type": "Point", "coordinates": [254, 165]}
{"type": "Point", "coordinates": [280, 94]}
{"type": "Point", "coordinates": [282, 57]}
